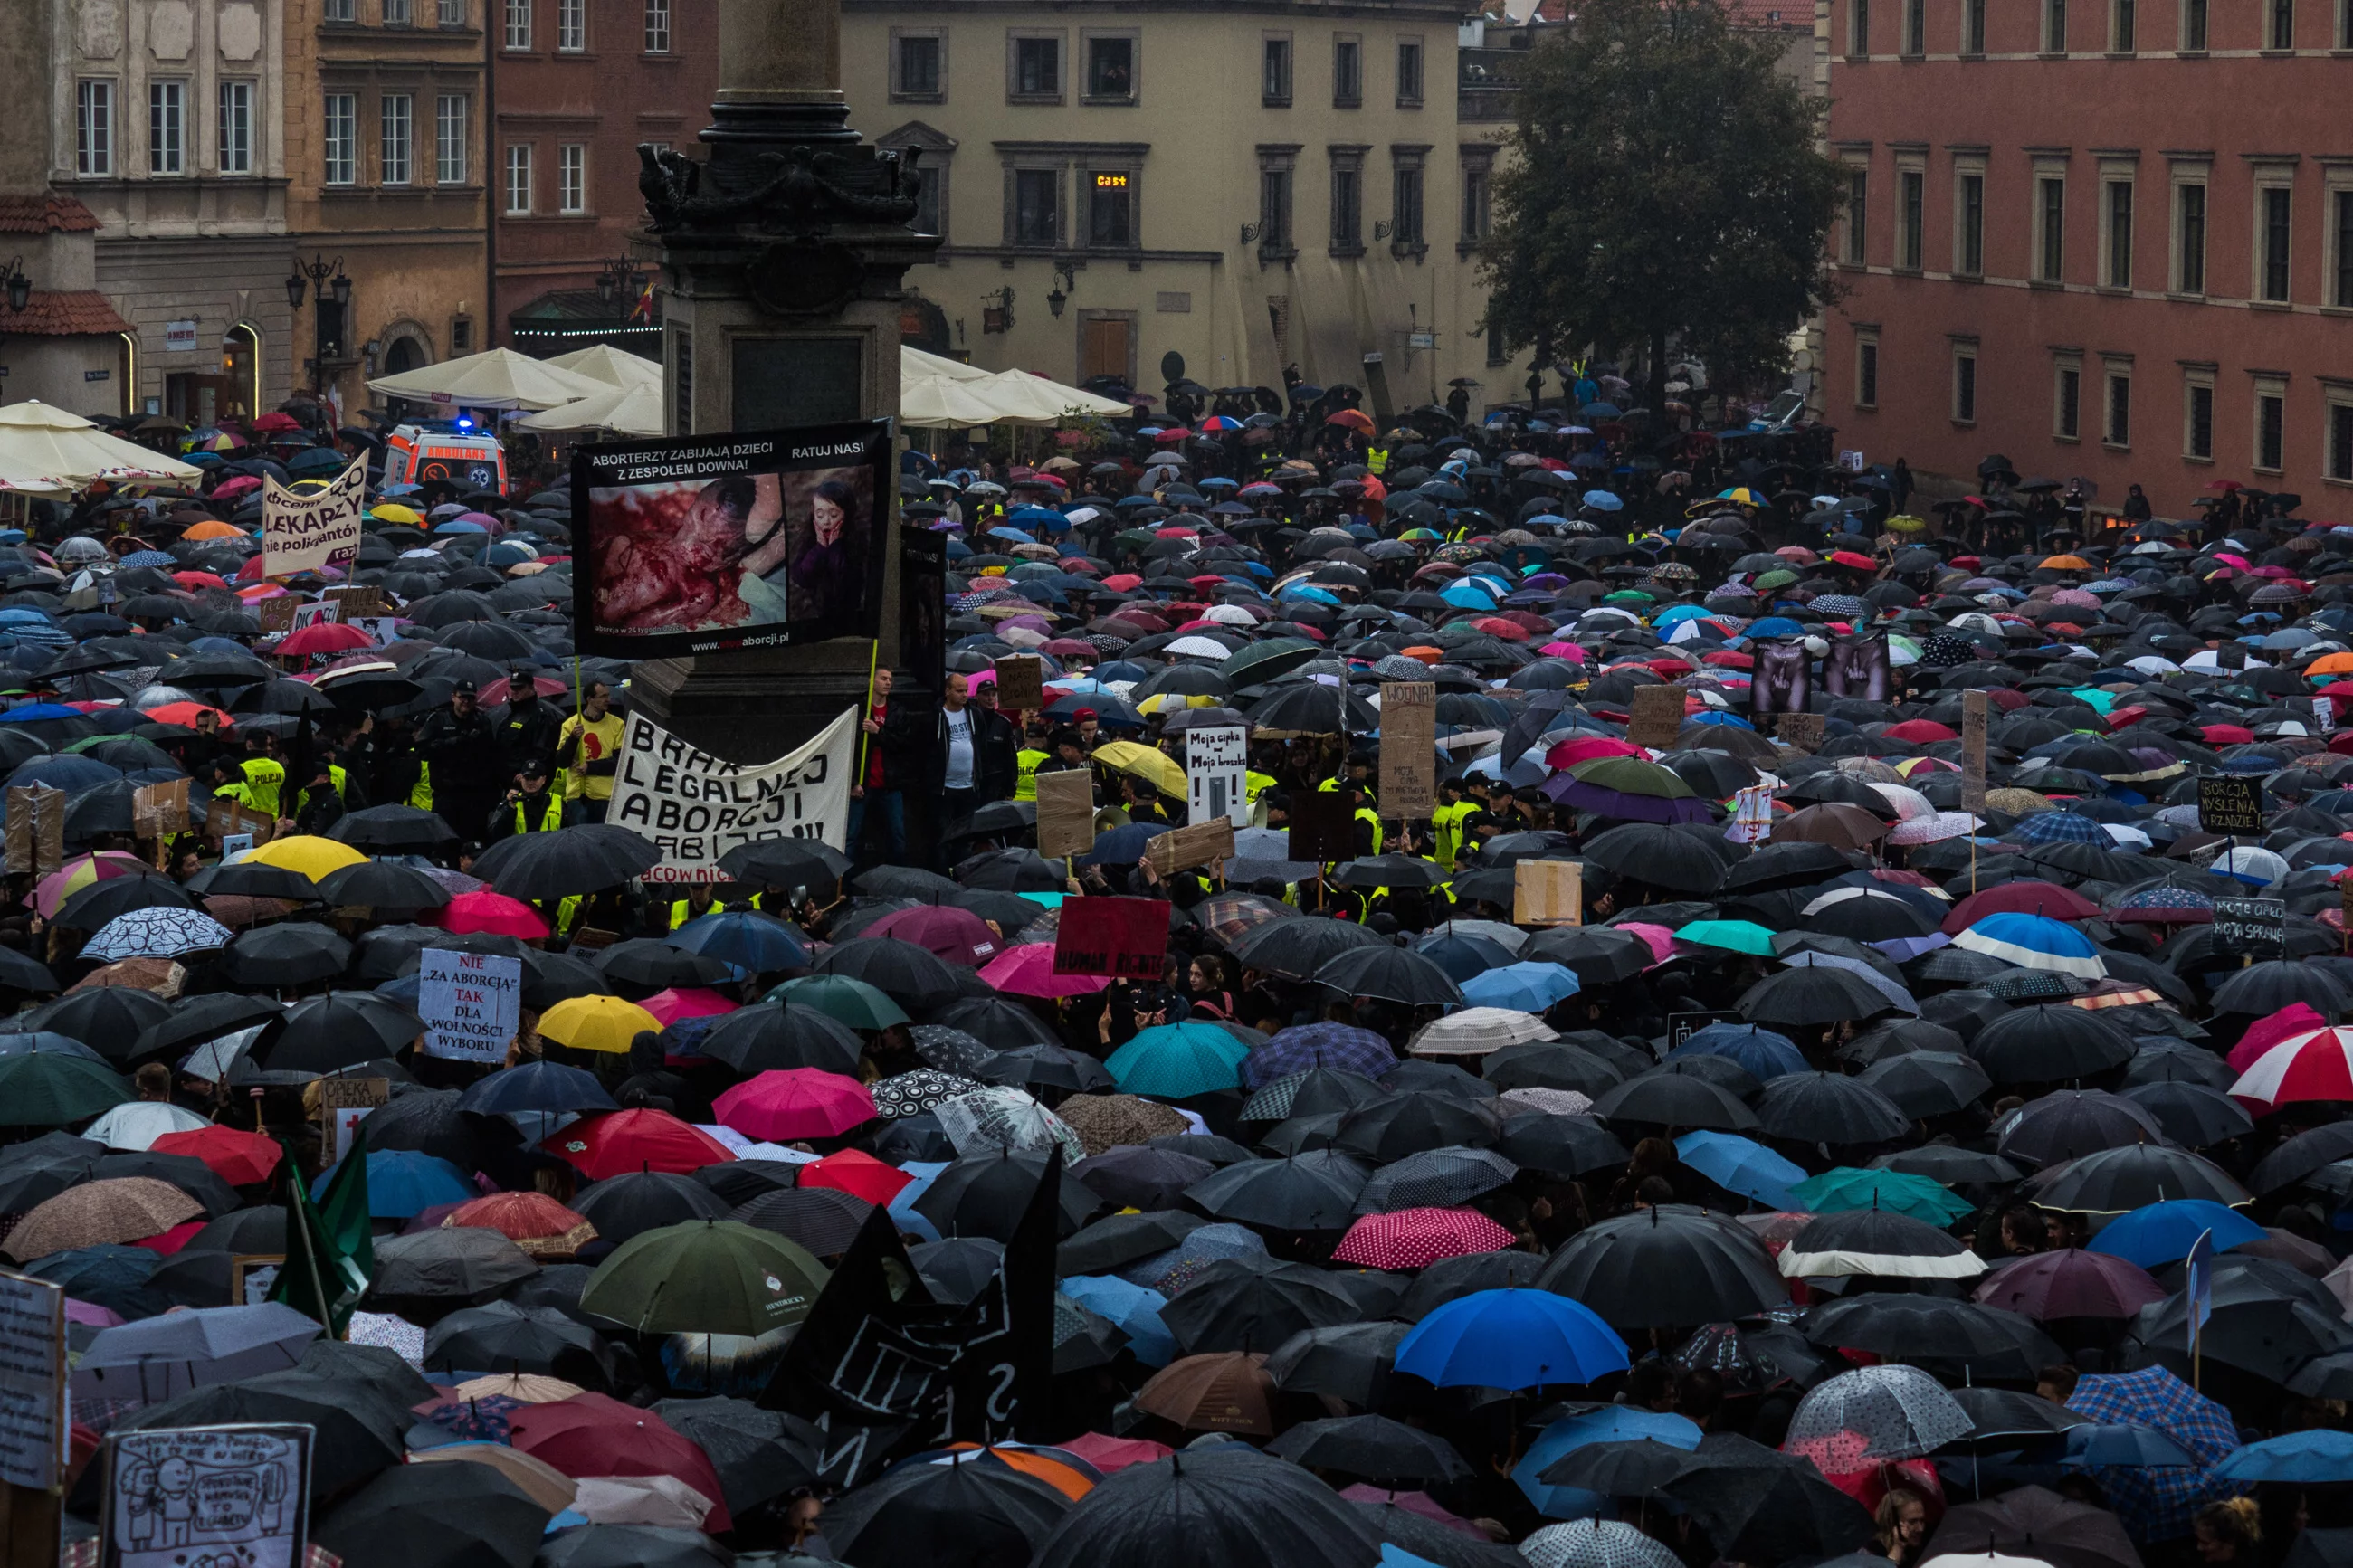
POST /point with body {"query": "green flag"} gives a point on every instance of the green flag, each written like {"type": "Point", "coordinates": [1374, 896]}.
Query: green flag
{"type": "Point", "coordinates": [330, 1252]}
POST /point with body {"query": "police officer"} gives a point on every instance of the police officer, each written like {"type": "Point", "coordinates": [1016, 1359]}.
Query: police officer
{"type": "Point", "coordinates": [530, 807]}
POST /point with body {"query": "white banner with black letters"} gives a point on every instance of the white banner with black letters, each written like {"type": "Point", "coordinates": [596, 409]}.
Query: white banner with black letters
{"type": "Point", "coordinates": [695, 807]}
{"type": "Point", "coordinates": [304, 531]}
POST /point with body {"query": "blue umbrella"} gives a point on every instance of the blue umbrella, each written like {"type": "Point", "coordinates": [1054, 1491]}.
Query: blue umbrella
{"type": "Point", "coordinates": [32, 712]}
{"type": "Point", "coordinates": [1765, 1054]}
{"type": "Point", "coordinates": [540, 1086]}
{"type": "Point", "coordinates": [744, 938]}
{"type": "Point", "coordinates": [1175, 1060]}
{"type": "Point", "coordinates": [1135, 1309]}
{"type": "Point", "coordinates": [2315, 1458]}
{"type": "Point", "coordinates": [1123, 845]}
{"type": "Point", "coordinates": [903, 1208]}
{"type": "Point", "coordinates": [1511, 1339]}
{"type": "Point", "coordinates": [1461, 954]}
{"type": "Point", "coordinates": [1466, 596]}
{"type": "Point", "coordinates": [1610, 1423]}
{"type": "Point", "coordinates": [2164, 1232]}
{"type": "Point", "coordinates": [2059, 827]}
{"type": "Point", "coordinates": [1741, 1165]}
{"type": "Point", "coordinates": [1603, 501]}
{"type": "Point", "coordinates": [1526, 988]}
{"type": "Point", "coordinates": [404, 1184]}
{"type": "Point", "coordinates": [2130, 1444]}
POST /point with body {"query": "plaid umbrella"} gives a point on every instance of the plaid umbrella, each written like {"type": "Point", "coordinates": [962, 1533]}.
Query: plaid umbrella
{"type": "Point", "coordinates": [1416, 1237]}
{"type": "Point", "coordinates": [2027, 985]}
{"type": "Point", "coordinates": [1306, 1045]}
{"type": "Point", "coordinates": [2162, 905]}
{"type": "Point", "coordinates": [914, 1093]}
{"type": "Point", "coordinates": [161, 933]}
{"type": "Point", "coordinates": [2157, 1504]}
{"type": "Point", "coordinates": [1435, 1176]}
{"type": "Point", "coordinates": [2059, 827]}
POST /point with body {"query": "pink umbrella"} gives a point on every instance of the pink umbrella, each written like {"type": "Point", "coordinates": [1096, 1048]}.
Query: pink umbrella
{"type": "Point", "coordinates": [90, 1312]}
{"type": "Point", "coordinates": [1110, 1454]}
{"type": "Point", "coordinates": [795, 1102]}
{"type": "Point", "coordinates": [1416, 1239]}
{"type": "Point", "coordinates": [1029, 971]}
{"type": "Point", "coordinates": [686, 1002]}
{"type": "Point", "coordinates": [493, 912]}
{"type": "Point", "coordinates": [2296, 1018]}
{"type": "Point", "coordinates": [1662, 940]}
{"type": "Point", "coordinates": [1586, 749]}
{"type": "Point", "coordinates": [236, 486]}
{"type": "Point", "coordinates": [80, 872]}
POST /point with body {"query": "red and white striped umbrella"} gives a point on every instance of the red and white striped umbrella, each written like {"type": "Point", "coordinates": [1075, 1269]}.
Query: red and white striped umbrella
{"type": "Point", "coordinates": [2317, 1065]}
{"type": "Point", "coordinates": [1414, 1239]}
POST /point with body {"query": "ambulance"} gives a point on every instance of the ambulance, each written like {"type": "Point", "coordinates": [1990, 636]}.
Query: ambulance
{"type": "Point", "coordinates": [455, 452]}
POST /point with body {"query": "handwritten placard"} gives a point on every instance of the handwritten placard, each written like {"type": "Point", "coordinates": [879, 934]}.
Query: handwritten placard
{"type": "Point", "coordinates": [1976, 709]}
{"type": "Point", "coordinates": [1119, 938]}
{"type": "Point", "coordinates": [1020, 683]}
{"type": "Point", "coordinates": [1800, 732]}
{"type": "Point", "coordinates": [1548, 892]}
{"type": "Point", "coordinates": [1408, 748]}
{"type": "Point", "coordinates": [1657, 717]}
{"type": "Point", "coordinates": [206, 1495]}
{"type": "Point", "coordinates": [32, 1382]}
{"type": "Point", "coordinates": [1207, 842]}
{"type": "Point", "coordinates": [1066, 813]}
{"type": "Point", "coordinates": [471, 1002]}
{"type": "Point", "coordinates": [2229, 806]}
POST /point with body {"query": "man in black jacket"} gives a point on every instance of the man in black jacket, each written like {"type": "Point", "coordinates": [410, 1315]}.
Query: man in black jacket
{"type": "Point", "coordinates": [527, 727]}
{"type": "Point", "coordinates": [462, 762]}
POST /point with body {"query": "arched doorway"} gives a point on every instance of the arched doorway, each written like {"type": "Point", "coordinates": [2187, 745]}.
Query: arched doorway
{"type": "Point", "coordinates": [241, 369]}
{"type": "Point", "coordinates": [403, 355]}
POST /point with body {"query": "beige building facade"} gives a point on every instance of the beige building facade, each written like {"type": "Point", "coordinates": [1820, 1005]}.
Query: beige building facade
{"type": "Point", "coordinates": [1254, 187]}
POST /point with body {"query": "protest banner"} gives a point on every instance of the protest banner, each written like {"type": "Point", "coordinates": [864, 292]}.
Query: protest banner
{"type": "Point", "coordinates": [1207, 842]}
{"type": "Point", "coordinates": [308, 530]}
{"type": "Point", "coordinates": [176, 1496]}
{"type": "Point", "coordinates": [1020, 683]}
{"type": "Point", "coordinates": [1066, 813]}
{"type": "Point", "coordinates": [1657, 717]}
{"type": "Point", "coordinates": [1975, 709]}
{"type": "Point", "coordinates": [1322, 828]}
{"type": "Point", "coordinates": [2324, 715]}
{"type": "Point", "coordinates": [1216, 769]}
{"type": "Point", "coordinates": [1408, 748]}
{"type": "Point", "coordinates": [1120, 939]}
{"type": "Point", "coordinates": [695, 807]}
{"type": "Point", "coordinates": [36, 836]}
{"type": "Point", "coordinates": [1548, 892]}
{"type": "Point", "coordinates": [472, 1003]}
{"type": "Point", "coordinates": [2229, 806]}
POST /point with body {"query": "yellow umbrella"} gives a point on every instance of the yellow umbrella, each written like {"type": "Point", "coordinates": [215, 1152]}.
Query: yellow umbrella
{"type": "Point", "coordinates": [393, 511]}
{"type": "Point", "coordinates": [1158, 769]}
{"type": "Point", "coordinates": [309, 854]}
{"type": "Point", "coordinates": [1160, 702]}
{"type": "Point", "coordinates": [596, 1023]}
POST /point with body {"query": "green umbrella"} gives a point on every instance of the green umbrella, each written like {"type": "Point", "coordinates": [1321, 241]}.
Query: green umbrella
{"type": "Point", "coordinates": [1740, 936]}
{"type": "Point", "coordinates": [1269, 660]}
{"type": "Point", "coordinates": [847, 1000]}
{"type": "Point", "coordinates": [706, 1276]}
{"type": "Point", "coordinates": [1632, 776]}
{"type": "Point", "coordinates": [1847, 1187]}
{"type": "Point", "coordinates": [50, 1089]}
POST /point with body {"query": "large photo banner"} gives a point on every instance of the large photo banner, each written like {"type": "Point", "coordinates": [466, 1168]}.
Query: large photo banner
{"type": "Point", "coordinates": [304, 531]}
{"type": "Point", "coordinates": [703, 543]}
{"type": "Point", "coordinates": [695, 807]}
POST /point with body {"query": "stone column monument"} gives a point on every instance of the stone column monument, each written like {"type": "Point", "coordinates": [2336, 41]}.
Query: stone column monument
{"type": "Point", "coordinates": [782, 250]}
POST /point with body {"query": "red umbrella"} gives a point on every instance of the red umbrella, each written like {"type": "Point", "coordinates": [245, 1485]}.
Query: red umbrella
{"type": "Point", "coordinates": [620, 1143]}
{"type": "Point", "coordinates": [493, 912]}
{"type": "Point", "coordinates": [1921, 730]}
{"type": "Point", "coordinates": [276, 422]}
{"type": "Point", "coordinates": [1415, 1238]}
{"type": "Point", "coordinates": [859, 1173]}
{"type": "Point", "coordinates": [957, 936]}
{"type": "Point", "coordinates": [1029, 971]}
{"type": "Point", "coordinates": [592, 1435]}
{"type": "Point", "coordinates": [686, 1002]}
{"type": "Point", "coordinates": [2071, 1283]}
{"type": "Point", "coordinates": [795, 1102]}
{"type": "Point", "coordinates": [1849, 558]}
{"type": "Point", "coordinates": [326, 637]}
{"type": "Point", "coordinates": [172, 1241]}
{"type": "Point", "coordinates": [240, 1159]}
{"type": "Point", "coordinates": [2021, 897]}
{"type": "Point", "coordinates": [495, 694]}
{"type": "Point", "coordinates": [193, 579]}
{"type": "Point", "coordinates": [533, 1221]}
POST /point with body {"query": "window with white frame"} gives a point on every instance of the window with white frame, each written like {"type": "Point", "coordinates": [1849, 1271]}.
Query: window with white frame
{"type": "Point", "coordinates": [1911, 218]}
{"type": "Point", "coordinates": [1969, 218]}
{"type": "Point", "coordinates": [2340, 430]}
{"type": "Point", "coordinates": [2117, 231]}
{"type": "Point", "coordinates": [1867, 367]}
{"type": "Point", "coordinates": [572, 178]}
{"type": "Point", "coordinates": [396, 12]}
{"type": "Point", "coordinates": [167, 127]}
{"type": "Point", "coordinates": [2189, 230]}
{"type": "Point", "coordinates": [571, 25]}
{"type": "Point", "coordinates": [94, 127]}
{"type": "Point", "coordinates": [2116, 430]}
{"type": "Point", "coordinates": [451, 113]}
{"type": "Point", "coordinates": [1973, 26]}
{"type": "Point", "coordinates": [339, 11]}
{"type": "Point", "coordinates": [2067, 397]}
{"type": "Point", "coordinates": [2123, 25]}
{"type": "Point", "coordinates": [2340, 239]}
{"type": "Point", "coordinates": [340, 138]}
{"type": "Point", "coordinates": [235, 128]}
{"type": "Point", "coordinates": [2274, 230]}
{"type": "Point", "coordinates": [518, 24]}
{"type": "Point", "coordinates": [396, 119]}
{"type": "Point", "coordinates": [657, 27]}
{"type": "Point", "coordinates": [518, 194]}
{"type": "Point", "coordinates": [453, 12]}
{"type": "Point", "coordinates": [2279, 32]}
{"type": "Point", "coordinates": [1858, 214]}
{"type": "Point", "coordinates": [2054, 26]}
{"type": "Point", "coordinates": [1916, 26]}
{"type": "Point", "coordinates": [1858, 26]}
{"type": "Point", "coordinates": [2050, 228]}
{"type": "Point", "coordinates": [2193, 26]}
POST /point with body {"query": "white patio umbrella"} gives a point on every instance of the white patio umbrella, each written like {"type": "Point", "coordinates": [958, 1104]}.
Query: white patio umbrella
{"type": "Point", "coordinates": [914, 364]}
{"type": "Point", "coordinates": [615, 367]}
{"type": "Point", "coordinates": [628, 410]}
{"type": "Point", "coordinates": [497, 378]}
{"type": "Point", "coordinates": [46, 451]}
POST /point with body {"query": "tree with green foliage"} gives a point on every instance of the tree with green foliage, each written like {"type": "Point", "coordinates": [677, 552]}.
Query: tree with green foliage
{"type": "Point", "coordinates": [1663, 188]}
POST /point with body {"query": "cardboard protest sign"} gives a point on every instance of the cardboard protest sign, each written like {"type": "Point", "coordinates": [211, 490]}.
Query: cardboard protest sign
{"type": "Point", "coordinates": [1322, 828]}
{"type": "Point", "coordinates": [224, 817]}
{"type": "Point", "coordinates": [277, 615]}
{"type": "Point", "coordinates": [2229, 806]}
{"type": "Point", "coordinates": [1216, 774]}
{"type": "Point", "coordinates": [1020, 683]}
{"type": "Point", "coordinates": [1066, 813]}
{"type": "Point", "coordinates": [1121, 939]}
{"type": "Point", "coordinates": [1657, 717]}
{"type": "Point", "coordinates": [2252, 927]}
{"type": "Point", "coordinates": [359, 603]}
{"type": "Point", "coordinates": [1548, 892]}
{"type": "Point", "coordinates": [320, 612]}
{"type": "Point", "coordinates": [160, 810]}
{"type": "Point", "coordinates": [35, 835]}
{"type": "Point", "coordinates": [311, 531]}
{"type": "Point", "coordinates": [472, 1003]}
{"type": "Point", "coordinates": [695, 807]}
{"type": "Point", "coordinates": [1801, 731]}
{"type": "Point", "coordinates": [1207, 842]}
{"type": "Point", "coordinates": [1408, 748]}
{"type": "Point", "coordinates": [344, 1104]}
{"type": "Point", "coordinates": [1976, 709]}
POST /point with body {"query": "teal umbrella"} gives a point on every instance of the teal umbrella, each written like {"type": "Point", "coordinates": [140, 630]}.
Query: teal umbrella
{"type": "Point", "coordinates": [1737, 936]}
{"type": "Point", "coordinates": [847, 1001]}
{"type": "Point", "coordinates": [1173, 1060]}
{"type": "Point", "coordinates": [1848, 1187]}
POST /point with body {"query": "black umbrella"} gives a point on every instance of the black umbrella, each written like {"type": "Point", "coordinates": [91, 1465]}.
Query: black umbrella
{"type": "Point", "coordinates": [1230, 1505]}
{"type": "Point", "coordinates": [191, 1020]}
{"type": "Point", "coordinates": [2266, 987]}
{"type": "Point", "coordinates": [1390, 974]}
{"type": "Point", "coordinates": [825, 1220]}
{"type": "Point", "coordinates": [1122, 1239]}
{"type": "Point", "coordinates": [758, 1453]}
{"type": "Point", "coordinates": [1812, 996]}
{"type": "Point", "coordinates": [1950, 1164]}
{"type": "Point", "coordinates": [1452, 1279]}
{"type": "Point", "coordinates": [987, 1195]}
{"type": "Point", "coordinates": [1297, 950]}
{"type": "Point", "coordinates": [1769, 1513]}
{"type": "Point", "coordinates": [357, 1432]}
{"type": "Point", "coordinates": [1137, 1176]}
{"type": "Point", "coordinates": [2072, 1122]}
{"type": "Point", "coordinates": [1253, 1303]}
{"type": "Point", "coordinates": [1829, 1108]}
{"type": "Point", "coordinates": [431, 1122]}
{"type": "Point", "coordinates": [655, 965]}
{"type": "Point", "coordinates": [968, 1513]}
{"type": "Point", "coordinates": [1926, 1083]}
{"type": "Point", "coordinates": [1346, 1361]}
{"type": "Point", "coordinates": [1405, 1123]}
{"type": "Point", "coordinates": [959, 1268]}
{"type": "Point", "coordinates": [2118, 1180]}
{"type": "Point", "coordinates": [1373, 1449]}
{"type": "Point", "coordinates": [392, 828]}
{"type": "Point", "coordinates": [294, 952]}
{"type": "Point", "coordinates": [652, 1545]}
{"type": "Point", "coordinates": [785, 863]}
{"type": "Point", "coordinates": [1550, 1066]}
{"type": "Point", "coordinates": [1657, 855]}
{"type": "Point", "coordinates": [434, 1516]}
{"type": "Point", "coordinates": [458, 1263]}
{"type": "Point", "coordinates": [1435, 1178]}
{"type": "Point", "coordinates": [498, 1336]}
{"type": "Point", "coordinates": [1899, 1037]}
{"type": "Point", "coordinates": [782, 1035]}
{"type": "Point", "coordinates": [1665, 1098]}
{"type": "Point", "coordinates": [109, 1019]}
{"type": "Point", "coordinates": [185, 1172]}
{"type": "Point", "coordinates": [912, 975]}
{"type": "Point", "coordinates": [584, 858]}
{"type": "Point", "coordinates": [1315, 1191]}
{"type": "Point", "coordinates": [253, 880]}
{"type": "Point", "coordinates": [2193, 1115]}
{"type": "Point", "coordinates": [1617, 1470]}
{"type": "Point", "coordinates": [1988, 1342]}
{"type": "Point", "coordinates": [2050, 1045]}
{"type": "Point", "coordinates": [2302, 1156]}
{"type": "Point", "coordinates": [1666, 1267]}
{"type": "Point", "coordinates": [382, 885]}
{"type": "Point", "coordinates": [996, 1022]}
{"type": "Point", "coordinates": [1878, 1242]}
{"type": "Point", "coordinates": [627, 1205]}
{"type": "Point", "coordinates": [89, 909]}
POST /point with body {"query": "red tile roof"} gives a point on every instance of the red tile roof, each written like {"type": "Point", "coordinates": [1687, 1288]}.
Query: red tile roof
{"type": "Point", "coordinates": [51, 212]}
{"type": "Point", "coordinates": [51, 314]}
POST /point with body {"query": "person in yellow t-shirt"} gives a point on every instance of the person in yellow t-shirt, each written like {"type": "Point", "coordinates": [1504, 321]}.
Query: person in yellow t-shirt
{"type": "Point", "coordinates": [589, 747]}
